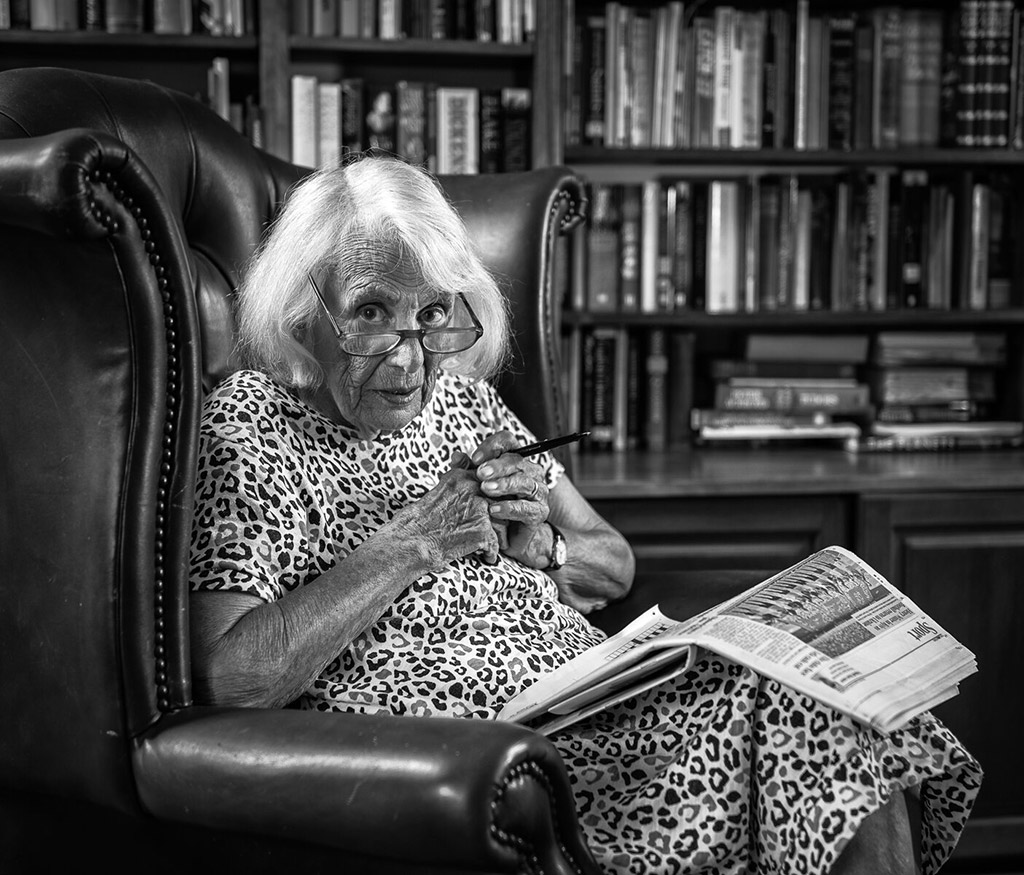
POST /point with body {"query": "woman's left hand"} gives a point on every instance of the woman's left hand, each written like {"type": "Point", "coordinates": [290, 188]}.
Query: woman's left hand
{"type": "Point", "coordinates": [518, 498]}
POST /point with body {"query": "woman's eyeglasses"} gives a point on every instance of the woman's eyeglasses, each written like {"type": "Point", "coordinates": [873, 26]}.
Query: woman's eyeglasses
{"type": "Point", "coordinates": [441, 341]}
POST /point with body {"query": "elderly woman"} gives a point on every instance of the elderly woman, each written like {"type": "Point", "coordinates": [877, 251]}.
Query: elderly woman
{"type": "Point", "coordinates": [365, 541]}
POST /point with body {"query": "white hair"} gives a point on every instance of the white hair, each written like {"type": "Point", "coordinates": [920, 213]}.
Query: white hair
{"type": "Point", "coordinates": [382, 202]}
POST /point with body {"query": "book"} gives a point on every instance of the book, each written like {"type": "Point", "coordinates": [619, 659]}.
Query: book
{"type": "Point", "coordinates": [593, 87]}
{"type": "Point", "coordinates": [353, 136]}
{"type": "Point", "coordinates": [788, 397]}
{"type": "Point", "coordinates": [758, 434]}
{"type": "Point", "coordinates": [682, 352]}
{"type": "Point", "coordinates": [602, 246]}
{"type": "Point", "coordinates": [516, 128]}
{"type": "Point", "coordinates": [829, 626]}
{"type": "Point", "coordinates": [304, 120]}
{"type": "Point", "coordinates": [491, 135]}
{"type": "Point", "coordinates": [172, 16]}
{"type": "Point", "coordinates": [458, 130]}
{"type": "Point", "coordinates": [124, 16]}
{"type": "Point", "coordinates": [629, 197]}
{"type": "Point", "coordinates": [932, 384]}
{"type": "Point", "coordinates": [411, 124]}
{"type": "Point", "coordinates": [849, 348]}
{"type": "Point", "coordinates": [656, 366]}
{"type": "Point", "coordinates": [936, 436]}
{"type": "Point", "coordinates": [328, 123]}
{"type": "Point", "coordinates": [724, 369]}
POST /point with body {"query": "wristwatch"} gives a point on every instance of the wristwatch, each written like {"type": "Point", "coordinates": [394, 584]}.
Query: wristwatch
{"type": "Point", "coordinates": [559, 549]}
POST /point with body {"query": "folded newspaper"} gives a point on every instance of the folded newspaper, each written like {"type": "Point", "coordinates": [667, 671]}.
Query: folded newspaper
{"type": "Point", "coordinates": [830, 627]}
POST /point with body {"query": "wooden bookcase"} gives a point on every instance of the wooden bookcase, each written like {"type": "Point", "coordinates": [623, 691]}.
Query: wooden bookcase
{"type": "Point", "coordinates": [947, 527]}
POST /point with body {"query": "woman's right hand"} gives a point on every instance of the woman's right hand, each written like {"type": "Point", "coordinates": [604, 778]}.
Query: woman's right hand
{"type": "Point", "coordinates": [451, 520]}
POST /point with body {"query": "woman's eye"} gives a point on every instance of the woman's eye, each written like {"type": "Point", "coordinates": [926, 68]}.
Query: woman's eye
{"type": "Point", "coordinates": [434, 316]}
{"type": "Point", "coordinates": [370, 313]}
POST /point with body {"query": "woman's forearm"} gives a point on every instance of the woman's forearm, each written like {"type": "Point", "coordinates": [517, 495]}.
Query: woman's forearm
{"type": "Point", "coordinates": [599, 569]}
{"type": "Point", "coordinates": [266, 655]}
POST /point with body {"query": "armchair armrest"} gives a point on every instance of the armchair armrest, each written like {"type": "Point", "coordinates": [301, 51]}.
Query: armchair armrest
{"type": "Point", "coordinates": [454, 792]}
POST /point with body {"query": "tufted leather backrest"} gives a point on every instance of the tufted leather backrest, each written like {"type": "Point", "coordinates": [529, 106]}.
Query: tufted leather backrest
{"type": "Point", "coordinates": [127, 213]}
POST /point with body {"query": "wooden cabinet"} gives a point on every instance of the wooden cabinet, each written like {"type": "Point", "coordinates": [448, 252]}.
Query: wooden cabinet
{"type": "Point", "coordinates": [960, 556]}
{"type": "Point", "coordinates": [760, 532]}
{"type": "Point", "coordinates": [946, 528]}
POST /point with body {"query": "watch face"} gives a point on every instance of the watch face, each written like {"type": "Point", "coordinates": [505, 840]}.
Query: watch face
{"type": "Point", "coordinates": [561, 552]}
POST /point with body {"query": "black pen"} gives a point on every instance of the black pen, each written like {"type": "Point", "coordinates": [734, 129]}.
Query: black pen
{"type": "Point", "coordinates": [550, 444]}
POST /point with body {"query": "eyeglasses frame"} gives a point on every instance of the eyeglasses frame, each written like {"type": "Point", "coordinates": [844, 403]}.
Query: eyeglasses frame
{"type": "Point", "coordinates": [402, 333]}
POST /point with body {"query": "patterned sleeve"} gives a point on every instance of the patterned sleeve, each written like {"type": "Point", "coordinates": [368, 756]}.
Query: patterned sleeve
{"type": "Point", "coordinates": [497, 416]}
{"type": "Point", "coordinates": [248, 528]}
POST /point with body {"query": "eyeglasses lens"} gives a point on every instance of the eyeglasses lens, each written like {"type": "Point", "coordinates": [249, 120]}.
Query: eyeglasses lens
{"type": "Point", "coordinates": [446, 341]}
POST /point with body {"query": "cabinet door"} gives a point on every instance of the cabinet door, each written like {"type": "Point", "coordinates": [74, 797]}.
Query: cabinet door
{"type": "Point", "coordinates": [960, 557]}
{"type": "Point", "coordinates": [671, 534]}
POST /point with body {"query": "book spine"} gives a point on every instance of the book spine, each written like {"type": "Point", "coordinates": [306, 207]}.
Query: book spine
{"type": "Point", "coordinates": [914, 193]}
{"type": "Point", "coordinates": [124, 16]}
{"type": "Point", "coordinates": [724, 84]}
{"type": "Point", "coordinates": [411, 125]}
{"type": "Point", "coordinates": [681, 361]}
{"type": "Point", "coordinates": [889, 76]}
{"type": "Point", "coordinates": [601, 385]}
{"type": "Point", "coordinates": [769, 205]}
{"type": "Point", "coordinates": [574, 73]}
{"type": "Point", "coordinates": [630, 199]}
{"type": "Point", "coordinates": [682, 250]}
{"type": "Point", "coordinates": [841, 73]}
{"type": "Point", "coordinates": [457, 130]}
{"type": "Point", "coordinates": [657, 370]}
{"type": "Point", "coordinates": [968, 104]}
{"type": "Point", "coordinates": [516, 107]}
{"type": "Point", "coordinates": [491, 136]}
{"type": "Point", "coordinates": [650, 217]}
{"type": "Point", "coordinates": [838, 399]}
{"type": "Point", "coordinates": [353, 135]}
{"type": "Point", "coordinates": [324, 18]}
{"type": "Point", "coordinates": [977, 288]}
{"type": "Point", "coordinates": [603, 264]}
{"type": "Point", "coordinates": [594, 105]}
{"type": "Point", "coordinates": [703, 128]}
{"type": "Point", "coordinates": [304, 120]}
{"type": "Point", "coordinates": [700, 245]}
{"type": "Point", "coordinates": [328, 123]}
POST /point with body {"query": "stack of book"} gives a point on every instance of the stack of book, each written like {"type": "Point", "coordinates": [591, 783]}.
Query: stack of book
{"type": "Point", "coordinates": [938, 390]}
{"type": "Point", "coordinates": [788, 388]}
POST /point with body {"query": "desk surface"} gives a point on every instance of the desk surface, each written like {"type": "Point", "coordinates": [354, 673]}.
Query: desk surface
{"type": "Point", "coordinates": [791, 471]}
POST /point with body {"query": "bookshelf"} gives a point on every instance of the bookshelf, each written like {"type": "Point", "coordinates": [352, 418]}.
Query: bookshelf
{"type": "Point", "coordinates": [943, 525]}
{"type": "Point", "coordinates": [276, 41]}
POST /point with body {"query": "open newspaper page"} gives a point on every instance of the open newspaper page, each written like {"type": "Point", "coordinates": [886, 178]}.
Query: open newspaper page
{"type": "Point", "coordinates": [829, 626]}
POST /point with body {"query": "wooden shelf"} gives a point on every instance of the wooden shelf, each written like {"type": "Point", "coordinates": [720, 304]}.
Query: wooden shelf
{"type": "Point", "coordinates": [701, 472]}
{"type": "Point", "coordinates": [799, 320]}
{"type": "Point", "coordinates": [795, 159]}
{"type": "Point", "coordinates": [437, 49]}
{"type": "Point", "coordinates": [51, 40]}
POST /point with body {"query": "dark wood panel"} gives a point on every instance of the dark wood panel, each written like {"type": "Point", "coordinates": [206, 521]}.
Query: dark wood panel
{"type": "Point", "coordinates": [726, 533]}
{"type": "Point", "coordinates": [960, 558]}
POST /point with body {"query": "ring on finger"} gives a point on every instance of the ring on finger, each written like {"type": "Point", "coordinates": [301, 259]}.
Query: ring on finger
{"type": "Point", "coordinates": [534, 491]}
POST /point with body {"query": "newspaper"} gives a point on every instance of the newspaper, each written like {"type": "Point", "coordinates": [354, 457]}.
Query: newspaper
{"type": "Point", "coordinates": [829, 626]}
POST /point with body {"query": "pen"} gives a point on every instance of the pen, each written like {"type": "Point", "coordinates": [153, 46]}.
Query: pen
{"type": "Point", "coordinates": [550, 444]}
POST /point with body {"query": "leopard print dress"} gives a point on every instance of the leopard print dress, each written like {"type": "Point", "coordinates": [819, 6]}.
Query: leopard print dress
{"type": "Point", "coordinates": [719, 772]}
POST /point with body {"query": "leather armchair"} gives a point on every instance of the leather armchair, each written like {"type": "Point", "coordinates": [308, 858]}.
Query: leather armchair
{"type": "Point", "coordinates": [126, 214]}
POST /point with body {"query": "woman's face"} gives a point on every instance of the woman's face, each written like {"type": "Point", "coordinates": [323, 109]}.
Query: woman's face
{"type": "Point", "coordinates": [379, 393]}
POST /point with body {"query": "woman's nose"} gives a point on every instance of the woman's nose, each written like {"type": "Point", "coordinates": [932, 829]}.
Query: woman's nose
{"type": "Point", "coordinates": [408, 355]}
